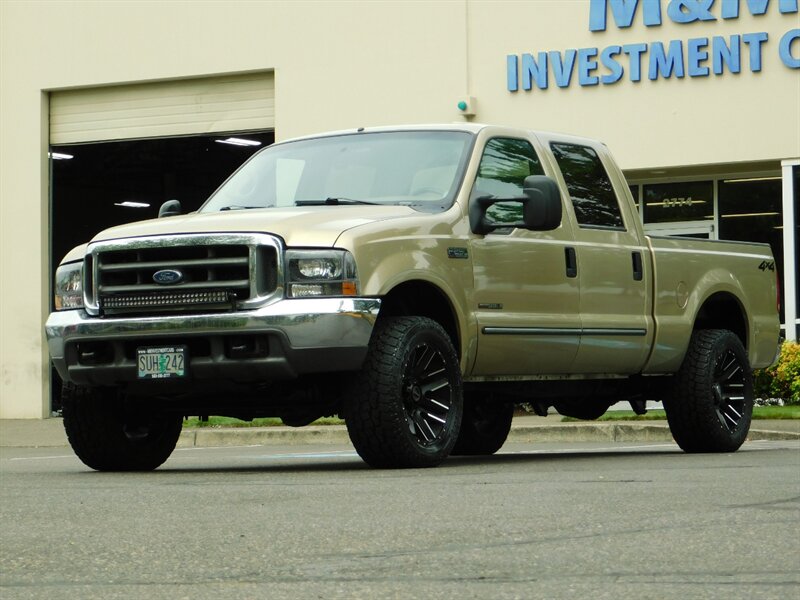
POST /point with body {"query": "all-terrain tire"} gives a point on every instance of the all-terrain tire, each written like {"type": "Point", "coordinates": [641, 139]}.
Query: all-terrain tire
{"type": "Point", "coordinates": [404, 408]}
{"type": "Point", "coordinates": [711, 403]}
{"type": "Point", "coordinates": [485, 425]}
{"type": "Point", "coordinates": [106, 439]}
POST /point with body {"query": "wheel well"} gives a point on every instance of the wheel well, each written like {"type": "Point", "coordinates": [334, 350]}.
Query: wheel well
{"type": "Point", "coordinates": [422, 299]}
{"type": "Point", "coordinates": [723, 311]}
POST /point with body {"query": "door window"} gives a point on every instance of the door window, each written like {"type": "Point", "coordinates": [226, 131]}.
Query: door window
{"type": "Point", "coordinates": [589, 186]}
{"type": "Point", "coordinates": [505, 164]}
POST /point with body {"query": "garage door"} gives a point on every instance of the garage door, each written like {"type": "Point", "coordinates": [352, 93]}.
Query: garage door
{"type": "Point", "coordinates": [161, 109]}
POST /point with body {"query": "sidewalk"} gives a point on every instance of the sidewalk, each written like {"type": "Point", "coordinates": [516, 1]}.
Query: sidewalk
{"type": "Point", "coordinates": [21, 433]}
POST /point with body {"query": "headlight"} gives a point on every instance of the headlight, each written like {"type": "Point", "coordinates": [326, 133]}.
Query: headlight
{"type": "Point", "coordinates": [68, 290]}
{"type": "Point", "coordinates": [314, 273]}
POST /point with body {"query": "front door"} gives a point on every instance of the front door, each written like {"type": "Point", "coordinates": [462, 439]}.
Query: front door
{"type": "Point", "coordinates": [525, 298]}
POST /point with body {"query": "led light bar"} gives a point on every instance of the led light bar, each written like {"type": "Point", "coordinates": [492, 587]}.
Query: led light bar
{"type": "Point", "coordinates": [171, 299]}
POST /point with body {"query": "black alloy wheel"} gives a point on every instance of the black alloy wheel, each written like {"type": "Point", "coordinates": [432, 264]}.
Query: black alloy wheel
{"type": "Point", "coordinates": [427, 394]}
{"type": "Point", "coordinates": [404, 408]}
{"type": "Point", "coordinates": [711, 403]}
{"type": "Point", "coordinates": [729, 390]}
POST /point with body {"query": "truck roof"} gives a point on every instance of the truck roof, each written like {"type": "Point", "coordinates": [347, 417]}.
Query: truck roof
{"type": "Point", "coordinates": [473, 128]}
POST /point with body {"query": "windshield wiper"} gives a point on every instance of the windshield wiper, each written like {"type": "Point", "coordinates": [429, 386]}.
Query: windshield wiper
{"type": "Point", "coordinates": [333, 202]}
{"type": "Point", "coordinates": [238, 207]}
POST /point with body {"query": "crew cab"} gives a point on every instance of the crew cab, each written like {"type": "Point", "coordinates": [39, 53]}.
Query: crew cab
{"type": "Point", "coordinates": [417, 281]}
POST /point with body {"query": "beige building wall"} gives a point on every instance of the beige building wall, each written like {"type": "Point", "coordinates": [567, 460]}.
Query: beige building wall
{"type": "Point", "coordinates": [663, 123]}
{"type": "Point", "coordinates": [349, 64]}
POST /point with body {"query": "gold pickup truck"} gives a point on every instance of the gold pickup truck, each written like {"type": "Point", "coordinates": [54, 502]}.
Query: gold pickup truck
{"type": "Point", "coordinates": [418, 282]}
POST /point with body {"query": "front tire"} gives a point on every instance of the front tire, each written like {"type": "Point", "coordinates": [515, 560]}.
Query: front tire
{"type": "Point", "coordinates": [484, 427]}
{"type": "Point", "coordinates": [711, 404]}
{"type": "Point", "coordinates": [404, 407]}
{"type": "Point", "coordinates": [106, 438]}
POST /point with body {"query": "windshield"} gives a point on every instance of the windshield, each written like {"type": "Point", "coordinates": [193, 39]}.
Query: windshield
{"type": "Point", "coordinates": [421, 169]}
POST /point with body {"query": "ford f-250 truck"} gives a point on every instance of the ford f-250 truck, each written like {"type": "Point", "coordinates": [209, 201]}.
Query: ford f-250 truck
{"type": "Point", "coordinates": [418, 282]}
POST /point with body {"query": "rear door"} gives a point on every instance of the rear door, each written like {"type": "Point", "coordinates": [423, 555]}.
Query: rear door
{"type": "Point", "coordinates": [612, 263]}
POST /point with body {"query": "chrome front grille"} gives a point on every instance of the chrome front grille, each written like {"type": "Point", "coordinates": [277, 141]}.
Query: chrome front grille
{"type": "Point", "coordinates": [207, 272]}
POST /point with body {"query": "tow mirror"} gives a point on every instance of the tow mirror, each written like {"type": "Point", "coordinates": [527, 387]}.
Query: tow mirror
{"type": "Point", "coordinates": [542, 211]}
{"type": "Point", "coordinates": [541, 208]}
{"type": "Point", "coordinates": [170, 208]}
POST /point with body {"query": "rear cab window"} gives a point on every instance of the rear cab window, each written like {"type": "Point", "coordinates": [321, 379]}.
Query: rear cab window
{"type": "Point", "coordinates": [591, 192]}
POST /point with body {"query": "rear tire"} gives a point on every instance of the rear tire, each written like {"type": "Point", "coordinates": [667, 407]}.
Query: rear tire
{"type": "Point", "coordinates": [711, 404]}
{"type": "Point", "coordinates": [403, 409]}
{"type": "Point", "coordinates": [106, 438]}
{"type": "Point", "coordinates": [484, 427]}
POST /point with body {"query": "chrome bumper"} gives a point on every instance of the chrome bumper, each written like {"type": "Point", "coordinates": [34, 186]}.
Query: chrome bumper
{"type": "Point", "coordinates": [300, 336]}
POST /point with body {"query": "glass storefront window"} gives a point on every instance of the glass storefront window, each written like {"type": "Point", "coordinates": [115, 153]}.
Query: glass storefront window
{"type": "Point", "coordinates": [635, 193]}
{"type": "Point", "coordinates": [675, 202]}
{"type": "Point", "coordinates": [750, 211]}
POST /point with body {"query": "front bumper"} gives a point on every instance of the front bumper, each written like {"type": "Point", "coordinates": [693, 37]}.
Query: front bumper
{"type": "Point", "coordinates": [280, 341]}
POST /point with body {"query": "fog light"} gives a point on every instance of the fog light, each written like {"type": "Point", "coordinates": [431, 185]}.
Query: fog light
{"type": "Point", "coordinates": [304, 290]}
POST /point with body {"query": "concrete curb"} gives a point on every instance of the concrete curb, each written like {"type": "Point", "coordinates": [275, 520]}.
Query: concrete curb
{"type": "Point", "coordinates": [209, 437]}
{"type": "Point", "coordinates": [337, 434]}
{"type": "Point", "coordinates": [591, 432]}
{"type": "Point", "coordinates": [49, 433]}
{"type": "Point", "coordinates": [767, 435]}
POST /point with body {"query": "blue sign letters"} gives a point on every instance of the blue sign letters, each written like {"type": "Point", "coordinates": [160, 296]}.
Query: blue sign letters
{"type": "Point", "coordinates": [658, 60]}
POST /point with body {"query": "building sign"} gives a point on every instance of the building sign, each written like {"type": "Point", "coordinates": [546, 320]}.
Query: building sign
{"type": "Point", "coordinates": [694, 57]}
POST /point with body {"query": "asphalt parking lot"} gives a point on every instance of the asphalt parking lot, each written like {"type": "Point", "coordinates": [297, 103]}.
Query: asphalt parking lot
{"type": "Point", "coordinates": [539, 520]}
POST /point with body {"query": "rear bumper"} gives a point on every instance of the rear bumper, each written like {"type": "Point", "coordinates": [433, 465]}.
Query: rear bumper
{"type": "Point", "coordinates": [281, 341]}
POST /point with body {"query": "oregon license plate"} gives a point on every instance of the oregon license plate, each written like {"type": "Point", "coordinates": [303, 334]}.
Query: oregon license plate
{"type": "Point", "coordinates": [161, 363]}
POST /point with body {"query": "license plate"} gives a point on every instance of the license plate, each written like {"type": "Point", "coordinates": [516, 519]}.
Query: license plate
{"type": "Point", "coordinates": [161, 363]}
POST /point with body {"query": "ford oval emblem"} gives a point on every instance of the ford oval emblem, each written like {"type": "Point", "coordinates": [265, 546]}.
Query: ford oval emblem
{"type": "Point", "coordinates": [168, 276]}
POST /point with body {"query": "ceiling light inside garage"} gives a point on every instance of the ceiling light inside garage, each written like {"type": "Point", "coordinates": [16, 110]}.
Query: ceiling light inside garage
{"type": "Point", "coordinates": [750, 179]}
{"type": "Point", "coordinates": [59, 156]}
{"type": "Point", "coordinates": [756, 214]}
{"type": "Point", "coordinates": [238, 142]}
{"type": "Point", "coordinates": [129, 204]}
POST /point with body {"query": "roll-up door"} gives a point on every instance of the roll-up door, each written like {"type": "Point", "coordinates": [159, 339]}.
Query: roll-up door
{"type": "Point", "coordinates": [160, 109]}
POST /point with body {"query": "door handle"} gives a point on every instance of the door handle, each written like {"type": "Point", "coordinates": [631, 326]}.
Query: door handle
{"type": "Point", "coordinates": [638, 270]}
{"type": "Point", "coordinates": [572, 262]}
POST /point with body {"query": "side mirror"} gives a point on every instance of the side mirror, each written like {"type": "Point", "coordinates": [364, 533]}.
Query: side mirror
{"type": "Point", "coordinates": [541, 207]}
{"type": "Point", "coordinates": [170, 208]}
{"type": "Point", "coordinates": [542, 211]}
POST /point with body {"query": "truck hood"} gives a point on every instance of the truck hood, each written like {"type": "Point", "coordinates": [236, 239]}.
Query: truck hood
{"type": "Point", "coordinates": [314, 226]}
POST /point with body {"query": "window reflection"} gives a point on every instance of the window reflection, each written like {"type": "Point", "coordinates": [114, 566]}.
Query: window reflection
{"type": "Point", "coordinates": [675, 202]}
{"type": "Point", "coordinates": [590, 189]}
{"type": "Point", "coordinates": [505, 164]}
{"type": "Point", "coordinates": [750, 211]}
